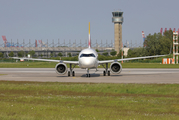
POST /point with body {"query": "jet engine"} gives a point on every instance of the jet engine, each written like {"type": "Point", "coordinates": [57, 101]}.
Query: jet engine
{"type": "Point", "coordinates": [116, 67]}
{"type": "Point", "coordinates": [61, 68]}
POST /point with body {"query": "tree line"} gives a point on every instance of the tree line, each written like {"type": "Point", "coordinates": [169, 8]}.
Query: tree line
{"type": "Point", "coordinates": [31, 53]}
{"type": "Point", "coordinates": [156, 44]}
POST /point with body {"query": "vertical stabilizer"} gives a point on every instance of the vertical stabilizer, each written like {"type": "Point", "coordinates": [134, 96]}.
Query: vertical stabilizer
{"type": "Point", "coordinates": [89, 41]}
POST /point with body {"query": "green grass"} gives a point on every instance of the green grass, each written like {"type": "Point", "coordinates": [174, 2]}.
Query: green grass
{"type": "Point", "coordinates": [28, 65]}
{"type": "Point", "coordinates": [53, 64]}
{"type": "Point", "coordinates": [34, 100]}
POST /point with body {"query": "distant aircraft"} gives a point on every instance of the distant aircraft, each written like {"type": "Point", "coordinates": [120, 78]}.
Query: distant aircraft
{"type": "Point", "coordinates": [88, 59]}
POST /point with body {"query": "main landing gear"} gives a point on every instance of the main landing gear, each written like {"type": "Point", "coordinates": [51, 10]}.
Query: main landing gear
{"type": "Point", "coordinates": [106, 71]}
{"type": "Point", "coordinates": [71, 72]}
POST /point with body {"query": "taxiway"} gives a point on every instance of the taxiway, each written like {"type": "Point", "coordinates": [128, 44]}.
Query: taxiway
{"type": "Point", "coordinates": [128, 75]}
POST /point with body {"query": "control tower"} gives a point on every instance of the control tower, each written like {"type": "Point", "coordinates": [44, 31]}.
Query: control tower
{"type": "Point", "coordinates": [117, 19]}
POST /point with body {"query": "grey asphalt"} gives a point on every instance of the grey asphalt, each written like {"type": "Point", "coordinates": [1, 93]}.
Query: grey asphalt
{"type": "Point", "coordinates": [128, 75]}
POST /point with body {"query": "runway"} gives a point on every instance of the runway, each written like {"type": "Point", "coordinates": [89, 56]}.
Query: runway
{"type": "Point", "coordinates": [128, 75]}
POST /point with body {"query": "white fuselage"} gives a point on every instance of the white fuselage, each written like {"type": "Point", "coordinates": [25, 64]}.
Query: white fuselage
{"type": "Point", "coordinates": [88, 58]}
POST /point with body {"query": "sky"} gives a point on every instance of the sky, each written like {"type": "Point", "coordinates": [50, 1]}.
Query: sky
{"type": "Point", "coordinates": [68, 19]}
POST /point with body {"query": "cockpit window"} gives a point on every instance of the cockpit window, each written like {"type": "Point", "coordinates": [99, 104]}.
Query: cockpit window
{"type": "Point", "coordinates": [87, 55]}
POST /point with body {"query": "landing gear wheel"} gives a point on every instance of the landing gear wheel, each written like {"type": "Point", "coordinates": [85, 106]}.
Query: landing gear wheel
{"type": "Point", "coordinates": [104, 73]}
{"type": "Point", "coordinates": [108, 73]}
{"type": "Point", "coordinates": [68, 73]}
{"type": "Point", "coordinates": [87, 75]}
{"type": "Point", "coordinates": [73, 73]}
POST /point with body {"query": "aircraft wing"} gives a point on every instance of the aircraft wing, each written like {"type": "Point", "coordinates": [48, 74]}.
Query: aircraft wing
{"type": "Point", "coordinates": [48, 60]}
{"type": "Point", "coordinates": [135, 58]}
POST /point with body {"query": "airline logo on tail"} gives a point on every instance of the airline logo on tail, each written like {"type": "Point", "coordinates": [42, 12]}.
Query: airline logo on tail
{"type": "Point", "coordinates": [89, 41]}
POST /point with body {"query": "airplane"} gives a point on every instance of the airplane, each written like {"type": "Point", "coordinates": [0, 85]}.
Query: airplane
{"type": "Point", "coordinates": [88, 59]}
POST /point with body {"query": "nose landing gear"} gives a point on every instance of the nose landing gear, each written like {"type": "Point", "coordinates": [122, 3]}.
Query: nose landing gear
{"type": "Point", "coordinates": [87, 75]}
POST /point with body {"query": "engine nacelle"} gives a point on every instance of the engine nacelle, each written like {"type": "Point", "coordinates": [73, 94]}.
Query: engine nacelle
{"type": "Point", "coordinates": [116, 67]}
{"type": "Point", "coordinates": [61, 68]}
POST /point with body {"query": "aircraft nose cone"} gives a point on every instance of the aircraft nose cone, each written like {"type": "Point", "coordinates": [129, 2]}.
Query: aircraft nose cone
{"type": "Point", "coordinates": [87, 63]}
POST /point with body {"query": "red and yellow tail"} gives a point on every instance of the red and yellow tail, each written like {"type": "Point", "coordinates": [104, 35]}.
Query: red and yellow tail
{"type": "Point", "coordinates": [89, 41]}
